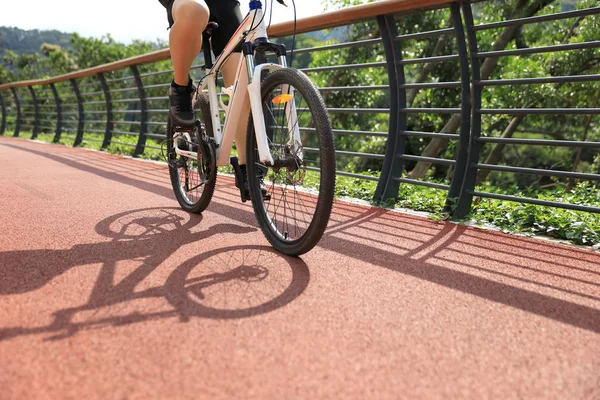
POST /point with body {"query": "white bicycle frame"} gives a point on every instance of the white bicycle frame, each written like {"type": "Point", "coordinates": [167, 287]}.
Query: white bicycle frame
{"type": "Point", "coordinates": [244, 85]}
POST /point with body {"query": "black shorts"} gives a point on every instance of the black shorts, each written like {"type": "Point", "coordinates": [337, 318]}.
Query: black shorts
{"type": "Point", "coordinates": [226, 13]}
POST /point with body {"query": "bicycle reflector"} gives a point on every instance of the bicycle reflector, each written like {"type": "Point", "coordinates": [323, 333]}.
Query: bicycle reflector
{"type": "Point", "coordinates": [281, 99]}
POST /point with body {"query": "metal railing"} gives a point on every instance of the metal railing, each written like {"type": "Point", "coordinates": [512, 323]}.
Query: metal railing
{"type": "Point", "coordinates": [127, 98]}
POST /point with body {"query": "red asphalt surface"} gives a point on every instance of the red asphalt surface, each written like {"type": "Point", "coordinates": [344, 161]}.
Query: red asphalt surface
{"type": "Point", "coordinates": [109, 291]}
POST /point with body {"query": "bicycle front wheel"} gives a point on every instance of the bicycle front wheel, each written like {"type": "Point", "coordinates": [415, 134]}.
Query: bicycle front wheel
{"type": "Point", "coordinates": [294, 211]}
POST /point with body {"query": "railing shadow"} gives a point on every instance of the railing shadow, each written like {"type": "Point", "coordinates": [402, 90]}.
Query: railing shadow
{"type": "Point", "coordinates": [203, 286]}
{"type": "Point", "coordinates": [432, 252]}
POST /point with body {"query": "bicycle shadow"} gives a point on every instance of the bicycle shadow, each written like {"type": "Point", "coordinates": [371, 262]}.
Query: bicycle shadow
{"type": "Point", "coordinates": [151, 236]}
{"type": "Point", "coordinates": [428, 251]}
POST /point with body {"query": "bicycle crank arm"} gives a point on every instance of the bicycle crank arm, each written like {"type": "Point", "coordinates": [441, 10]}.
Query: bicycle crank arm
{"type": "Point", "coordinates": [186, 153]}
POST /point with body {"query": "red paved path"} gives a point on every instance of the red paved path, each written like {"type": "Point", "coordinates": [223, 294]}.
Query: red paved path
{"type": "Point", "coordinates": [109, 291]}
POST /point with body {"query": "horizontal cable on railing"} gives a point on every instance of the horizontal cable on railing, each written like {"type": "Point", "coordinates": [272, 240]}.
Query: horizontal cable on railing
{"type": "Point", "coordinates": [427, 34]}
{"type": "Point", "coordinates": [339, 131]}
{"type": "Point", "coordinates": [156, 73]}
{"type": "Point", "coordinates": [126, 100]}
{"type": "Point", "coordinates": [432, 160]}
{"type": "Point", "coordinates": [349, 66]}
{"type": "Point", "coordinates": [352, 88]}
{"type": "Point", "coordinates": [535, 171]}
{"type": "Point", "coordinates": [541, 142]}
{"type": "Point", "coordinates": [125, 78]}
{"type": "Point", "coordinates": [349, 174]}
{"type": "Point", "coordinates": [426, 60]}
{"type": "Point", "coordinates": [536, 201]}
{"type": "Point", "coordinates": [533, 81]}
{"type": "Point", "coordinates": [128, 122]}
{"type": "Point", "coordinates": [431, 85]}
{"type": "Point", "coordinates": [541, 18]}
{"type": "Point", "coordinates": [537, 111]}
{"type": "Point", "coordinates": [431, 110]}
{"type": "Point", "coordinates": [153, 147]}
{"type": "Point", "coordinates": [159, 85]}
{"type": "Point", "coordinates": [156, 135]}
{"type": "Point", "coordinates": [423, 183]}
{"type": "Point", "coordinates": [539, 50]}
{"type": "Point", "coordinates": [431, 134]}
{"type": "Point", "coordinates": [349, 153]}
{"type": "Point", "coordinates": [352, 110]}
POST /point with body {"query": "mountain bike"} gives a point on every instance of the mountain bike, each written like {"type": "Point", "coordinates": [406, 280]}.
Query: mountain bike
{"type": "Point", "coordinates": [290, 155]}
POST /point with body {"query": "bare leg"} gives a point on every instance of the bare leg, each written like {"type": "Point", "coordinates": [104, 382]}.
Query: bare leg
{"type": "Point", "coordinates": [185, 39]}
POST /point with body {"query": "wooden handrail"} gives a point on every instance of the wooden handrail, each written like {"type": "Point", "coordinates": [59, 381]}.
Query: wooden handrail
{"type": "Point", "coordinates": [327, 20]}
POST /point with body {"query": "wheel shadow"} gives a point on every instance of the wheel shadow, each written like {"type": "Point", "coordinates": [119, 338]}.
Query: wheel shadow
{"type": "Point", "coordinates": [224, 283]}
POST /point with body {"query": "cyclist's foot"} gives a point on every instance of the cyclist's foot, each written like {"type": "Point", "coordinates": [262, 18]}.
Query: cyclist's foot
{"type": "Point", "coordinates": [180, 108]}
{"type": "Point", "coordinates": [266, 196]}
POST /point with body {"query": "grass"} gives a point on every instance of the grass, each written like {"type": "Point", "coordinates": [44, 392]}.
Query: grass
{"type": "Point", "coordinates": [511, 217]}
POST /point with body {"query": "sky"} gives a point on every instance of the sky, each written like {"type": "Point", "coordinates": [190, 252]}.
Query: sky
{"type": "Point", "coordinates": [125, 20]}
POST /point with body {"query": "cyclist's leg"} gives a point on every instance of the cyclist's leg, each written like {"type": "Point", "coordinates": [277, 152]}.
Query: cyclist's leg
{"type": "Point", "coordinates": [228, 15]}
{"type": "Point", "coordinates": [190, 17]}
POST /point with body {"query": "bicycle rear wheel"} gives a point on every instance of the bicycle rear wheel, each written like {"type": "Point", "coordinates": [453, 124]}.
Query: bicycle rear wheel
{"type": "Point", "coordinates": [300, 186]}
{"type": "Point", "coordinates": [193, 180]}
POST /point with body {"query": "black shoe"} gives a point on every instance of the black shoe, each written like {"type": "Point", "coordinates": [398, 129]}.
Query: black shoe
{"type": "Point", "coordinates": [180, 108]}
{"type": "Point", "coordinates": [266, 196]}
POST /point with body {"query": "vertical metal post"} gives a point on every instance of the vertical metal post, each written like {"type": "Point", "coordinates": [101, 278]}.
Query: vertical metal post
{"type": "Point", "coordinates": [465, 197]}
{"type": "Point", "coordinates": [18, 105]}
{"type": "Point", "coordinates": [141, 144]}
{"type": "Point", "coordinates": [80, 124]}
{"type": "Point", "coordinates": [109, 114]}
{"type": "Point", "coordinates": [3, 120]}
{"type": "Point", "coordinates": [59, 117]}
{"type": "Point", "coordinates": [36, 123]}
{"type": "Point", "coordinates": [462, 154]}
{"type": "Point", "coordinates": [387, 187]}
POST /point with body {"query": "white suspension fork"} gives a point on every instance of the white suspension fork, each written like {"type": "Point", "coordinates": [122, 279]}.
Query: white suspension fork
{"type": "Point", "coordinates": [292, 121]}
{"type": "Point", "coordinates": [260, 129]}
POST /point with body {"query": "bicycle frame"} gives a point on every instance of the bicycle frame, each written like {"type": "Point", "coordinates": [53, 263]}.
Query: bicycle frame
{"type": "Point", "coordinates": [245, 88]}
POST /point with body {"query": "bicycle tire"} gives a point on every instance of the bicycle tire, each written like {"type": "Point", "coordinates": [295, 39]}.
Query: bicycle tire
{"type": "Point", "coordinates": [197, 203]}
{"type": "Point", "coordinates": [325, 148]}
